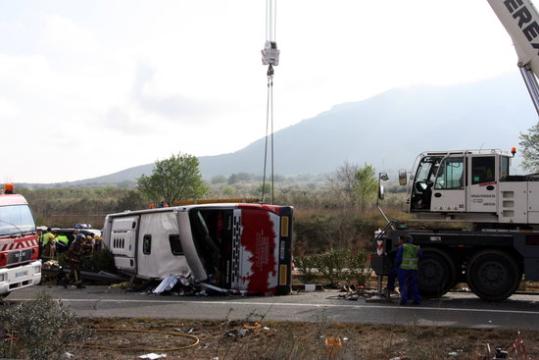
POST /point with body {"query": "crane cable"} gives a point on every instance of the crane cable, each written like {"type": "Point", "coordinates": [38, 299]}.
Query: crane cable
{"type": "Point", "coordinates": [270, 57]}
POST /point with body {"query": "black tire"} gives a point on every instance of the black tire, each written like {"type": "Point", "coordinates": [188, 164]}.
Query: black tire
{"type": "Point", "coordinates": [493, 275]}
{"type": "Point", "coordinates": [3, 296]}
{"type": "Point", "coordinates": [436, 273]}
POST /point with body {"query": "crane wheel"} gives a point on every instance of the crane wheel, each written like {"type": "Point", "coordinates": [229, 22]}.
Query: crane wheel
{"type": "Point", "coordinates": [493, 275]}
{"type": "Point", "coordinates": [436, 274]}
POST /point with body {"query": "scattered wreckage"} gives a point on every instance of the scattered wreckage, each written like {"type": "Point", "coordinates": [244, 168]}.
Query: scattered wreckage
{"type": "Point", "coordinates": [224, 248]}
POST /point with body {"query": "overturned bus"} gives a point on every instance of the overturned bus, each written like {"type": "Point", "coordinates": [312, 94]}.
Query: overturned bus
{"type": "Point", "coordinates": [243, 248]}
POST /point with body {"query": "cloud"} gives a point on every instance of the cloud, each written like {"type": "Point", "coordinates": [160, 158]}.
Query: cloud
{"type": "Point", "coordinates": [174, 107]}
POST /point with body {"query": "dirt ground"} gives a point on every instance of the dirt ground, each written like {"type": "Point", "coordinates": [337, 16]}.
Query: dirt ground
{"type": "Point", "coordinates": [251, 339]}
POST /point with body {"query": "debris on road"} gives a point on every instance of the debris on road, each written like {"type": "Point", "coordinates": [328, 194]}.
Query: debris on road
{"type": "Point", "coordinates": [354, 294]}
{"type": "Point", "coordinates": [166, 284]}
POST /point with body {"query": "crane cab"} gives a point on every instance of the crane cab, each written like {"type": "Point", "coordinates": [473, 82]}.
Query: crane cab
{"type": "Point", "coordinates": [464, 185]}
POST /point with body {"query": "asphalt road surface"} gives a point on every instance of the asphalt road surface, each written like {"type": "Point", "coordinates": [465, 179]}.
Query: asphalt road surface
{"type": "Point", "coordinates": [455, 309]}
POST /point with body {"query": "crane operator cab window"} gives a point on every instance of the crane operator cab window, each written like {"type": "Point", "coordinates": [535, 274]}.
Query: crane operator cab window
{"type": "Point", "coordinates": [483, 186]}
{"type": "Point", "coordinates": [451, 175]}
{"type": "Point", "coordinates": [483, 169]}
{"type": "Point", "coordinates": [423, 182]}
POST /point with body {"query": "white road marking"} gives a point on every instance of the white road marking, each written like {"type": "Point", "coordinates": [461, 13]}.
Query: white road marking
{"type": "Point", "coordinates": [303, 305]}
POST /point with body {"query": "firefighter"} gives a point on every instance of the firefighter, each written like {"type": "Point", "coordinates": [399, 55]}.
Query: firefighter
{"type": "Point", "coordinates": [407, 260]}
{"type": "Point", "coordinates": [49, 243]}
{"type": "Point", "coordinates": [74, 256]}
{"type": "Point", "coordinates": [89, 244]}
{"type": "Point", "coordinates": [98, 243]}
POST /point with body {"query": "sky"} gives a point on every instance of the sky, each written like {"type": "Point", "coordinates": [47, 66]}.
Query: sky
{"type": "Point", "coordinates": [88, 88]}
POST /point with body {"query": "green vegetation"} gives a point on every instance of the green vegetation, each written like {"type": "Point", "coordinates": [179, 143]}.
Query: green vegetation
{"type": "Point", "coordinates": [40, 330]}
{"type": "Point", "coordinates": [336, 267]}
{"type": "Point", "coordinates": [530, 148]}
{"type": "Point", "coordinates": [173, 179]}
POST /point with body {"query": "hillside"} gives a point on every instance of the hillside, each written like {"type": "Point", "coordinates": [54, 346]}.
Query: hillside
{"type": "Point", "coordinates": [387, 130]}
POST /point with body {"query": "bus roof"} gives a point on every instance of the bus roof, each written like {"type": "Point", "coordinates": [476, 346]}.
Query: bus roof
{"type": "Point", "coordinates": [267, 207]}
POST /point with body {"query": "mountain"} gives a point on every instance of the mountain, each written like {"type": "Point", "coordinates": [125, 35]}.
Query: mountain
{"type": "Point", "coordinates": [387, 130]}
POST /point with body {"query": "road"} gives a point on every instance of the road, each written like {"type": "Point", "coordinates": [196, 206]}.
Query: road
{"type": "Point", "coordinates": [455, 309]}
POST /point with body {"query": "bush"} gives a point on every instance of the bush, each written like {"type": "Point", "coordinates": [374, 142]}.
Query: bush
{"type": "Point", "coordinates": [40, 329]}
{"type": "Point", "coordinates": [306, 265]}
{"type": "Point", "coordinates": [342, 266]}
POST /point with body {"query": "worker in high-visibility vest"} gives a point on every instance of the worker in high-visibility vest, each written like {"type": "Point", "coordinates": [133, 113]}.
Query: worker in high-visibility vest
{"type": "Point", "coordinates": [393, 269]}
{"type": "Point", "coordinates": [407, 260]}
{"type": "Point", "coordinates": [49, 243]}
{"type": "Point", "coordinates": [62, 240]}
{"type": "Point", "coordinates": [74, 257]}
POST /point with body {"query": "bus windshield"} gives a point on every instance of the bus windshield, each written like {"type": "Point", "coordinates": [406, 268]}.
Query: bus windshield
{"type": "Point", "coordinates": [16, 219]}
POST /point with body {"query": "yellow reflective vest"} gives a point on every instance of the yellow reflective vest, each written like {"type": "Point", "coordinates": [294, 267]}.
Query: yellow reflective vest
{"type": "Point", "coordinates": [410, 256]}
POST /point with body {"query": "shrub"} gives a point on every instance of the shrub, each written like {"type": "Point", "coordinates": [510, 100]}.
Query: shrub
{"type": "Point", "coordinates": [306, 265]}
{"type": "Point", "coordinates": [342, 266]}
{"type": "Point", "coordinates": [40, 329]}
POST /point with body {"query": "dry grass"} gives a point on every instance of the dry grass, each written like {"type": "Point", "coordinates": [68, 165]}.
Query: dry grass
{"type": "Point", "coordinates": [287, 340]}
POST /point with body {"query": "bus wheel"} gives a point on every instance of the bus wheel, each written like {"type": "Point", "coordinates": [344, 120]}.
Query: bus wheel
{"type": "Point", "coordinates": [436, 272]}
{"type": "Point", "coordinates": [493, 275]}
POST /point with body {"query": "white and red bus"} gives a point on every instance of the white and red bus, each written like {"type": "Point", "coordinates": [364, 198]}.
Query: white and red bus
{"type": "Point", "coordinates": [244, 248]}
{"type": "Point", "coordinates": [19, 248]}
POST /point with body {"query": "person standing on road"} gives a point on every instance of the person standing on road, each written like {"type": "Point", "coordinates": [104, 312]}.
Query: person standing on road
{"type": "Point", "coordinates": [407, 260]}
{"type": "Point", "coordinates": [74, 256]}
{"type": "Point", "coordinates": [98, 243]}
{"type": "Point", "coordinates": [393, 269]}
{"type": "Point", "coordinates": [49, 243]}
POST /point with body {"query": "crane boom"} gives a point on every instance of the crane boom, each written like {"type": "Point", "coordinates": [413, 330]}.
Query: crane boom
{"type": "Point", "coordinates": [521, 21]}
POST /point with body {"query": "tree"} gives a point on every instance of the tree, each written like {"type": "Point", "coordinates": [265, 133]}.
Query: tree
{"type": "Point", "coordinates": [353, 185]}
{"type": "Point", "coordinates": [342, 183]}
{"type": "Point", "coordinates": [530, 145]}
{"type": "Point", "coordinates": [366, 185]}
{"type": "Point", "coordinates": [172, 179]}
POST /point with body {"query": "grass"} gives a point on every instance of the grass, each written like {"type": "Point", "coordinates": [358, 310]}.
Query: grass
{"type": "Point", "coordinates": [292, 340]}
